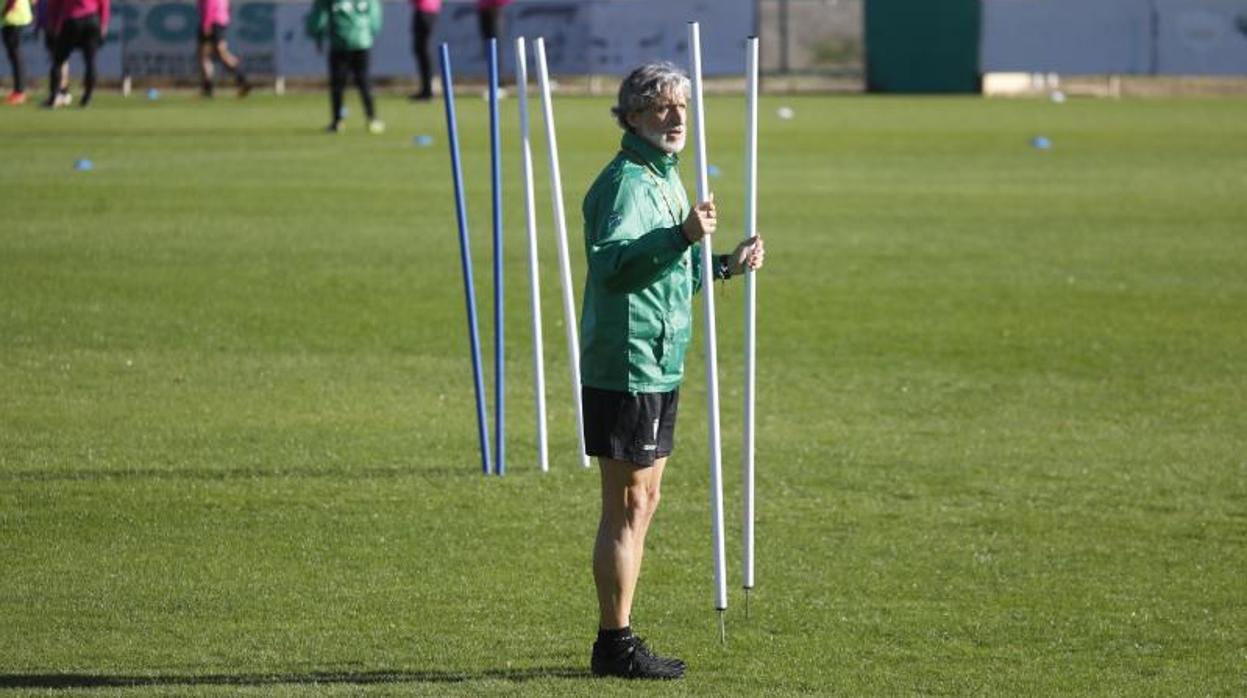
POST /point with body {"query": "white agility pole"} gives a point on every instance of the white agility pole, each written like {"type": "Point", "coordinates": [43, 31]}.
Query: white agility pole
{"type": "Point", "coordinates": [534, 281]}
{"type": "Point", "coordinates": [751, 229]}
{"type": "Point", "coordinates": [560, 236]}
{"type": "Point", "coordinates": [712, 358]}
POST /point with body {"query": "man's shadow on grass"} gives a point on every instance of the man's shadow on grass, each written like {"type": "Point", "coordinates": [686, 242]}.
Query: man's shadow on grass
{"type": "Point", "coordinates": [65, 681]}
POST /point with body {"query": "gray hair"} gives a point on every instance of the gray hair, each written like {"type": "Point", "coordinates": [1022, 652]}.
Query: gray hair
{"type": "Point", "coordinates": [645, 86]}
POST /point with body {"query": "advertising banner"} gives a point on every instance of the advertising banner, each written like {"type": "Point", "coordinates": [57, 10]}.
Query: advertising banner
{"type": "Point", "coordinates": [1201, 37]}
{"type": "Point", "coordinates": [1126, 37]}
{"type": "Point", "coordinates": [1066, 36]}
{"type": "Point", "coordinates": [158, 39]}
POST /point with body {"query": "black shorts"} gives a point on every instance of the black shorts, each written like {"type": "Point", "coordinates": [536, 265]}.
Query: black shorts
{"type": "Point", "coordinates": [214, 35]}
{"type": "Point", "coordinates": [79, 34]}
{"type": "Point", "coordinates": [638, 428]}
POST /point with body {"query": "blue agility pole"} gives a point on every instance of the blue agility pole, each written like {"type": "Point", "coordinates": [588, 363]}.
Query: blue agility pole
{"type": "Point", "coordinates": [495, 166]}
{"type": "Point", "coordinates": [465, 254]}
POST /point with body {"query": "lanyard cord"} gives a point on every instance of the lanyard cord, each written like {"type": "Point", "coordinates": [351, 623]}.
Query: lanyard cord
{"type": "Point", "coordinates": [724, 270]}
{"type": "Point", "coordinates": [638, 159]}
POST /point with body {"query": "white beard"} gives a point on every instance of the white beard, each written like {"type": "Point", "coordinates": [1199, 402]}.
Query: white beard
{"type": "Point", "coordinates": [658, 139]}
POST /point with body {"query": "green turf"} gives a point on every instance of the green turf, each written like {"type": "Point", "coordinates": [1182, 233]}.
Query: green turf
{"type": "Point", "coordinates": [1002, 409]}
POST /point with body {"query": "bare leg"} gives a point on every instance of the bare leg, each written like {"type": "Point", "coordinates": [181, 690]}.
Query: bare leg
{"type": "Point", "coordinates": [206, 69]}
{"type": "Point", "coordinates": [229, 60]}
{"type": "Point", "coordinates": [234, 65]}
{"type": "Point", "coordinates": [58, 74]}
{"type": "Point", "coordinates": [221, 51]}
{"type": "Point", "coordinates": [630, 497]}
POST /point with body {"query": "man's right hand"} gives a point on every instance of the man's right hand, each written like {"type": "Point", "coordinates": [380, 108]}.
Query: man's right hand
{"type": "Point", "coordinates": [700, 222]}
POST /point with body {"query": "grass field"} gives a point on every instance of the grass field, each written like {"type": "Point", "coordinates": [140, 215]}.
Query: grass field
{"type": "Point", "coordinates": [1003, 407]}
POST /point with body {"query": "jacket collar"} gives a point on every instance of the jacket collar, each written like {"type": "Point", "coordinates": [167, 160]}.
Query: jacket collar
{"type": "Point", "coordinates": [661, 162]}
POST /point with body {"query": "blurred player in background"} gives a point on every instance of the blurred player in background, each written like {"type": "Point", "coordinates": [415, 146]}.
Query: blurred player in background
{"type": "Point", "coordinates": [79, 25]}
{"type": "Point", "coordinates": [15, 17]}
{"type": "Point", "coordinates": [213, 22]}
{"type": "Point", "coordinates": [352, 26]}
{"type": "Point", "coordinates": [423, 17]}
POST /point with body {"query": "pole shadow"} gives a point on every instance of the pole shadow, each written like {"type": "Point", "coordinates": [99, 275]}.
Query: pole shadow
{"type": "Point", "coordinates": [75, 680]}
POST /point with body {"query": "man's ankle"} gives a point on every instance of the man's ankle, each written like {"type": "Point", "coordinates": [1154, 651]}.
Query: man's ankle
{"type": "Point", "coordinates": [614, 634]}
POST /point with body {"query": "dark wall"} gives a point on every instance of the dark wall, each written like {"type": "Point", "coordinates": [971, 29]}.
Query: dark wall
{"type": "Point", "coordinates": [922, 45]}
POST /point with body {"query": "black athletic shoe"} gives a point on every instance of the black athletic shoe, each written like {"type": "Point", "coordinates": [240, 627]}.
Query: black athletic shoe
{"type": "Point", "coordinates": [630, 658]}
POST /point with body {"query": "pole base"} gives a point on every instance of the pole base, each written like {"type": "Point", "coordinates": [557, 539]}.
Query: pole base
{"type": "Point", "coordinates": [722, 626]}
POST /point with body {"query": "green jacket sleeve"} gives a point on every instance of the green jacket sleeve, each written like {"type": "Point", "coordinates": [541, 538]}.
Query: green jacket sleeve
{"type": "Point", "coordinates": [374, 17]}
{"type": "Point", "coordinates": [318, 19]}
{"type": "Point", "coordinates": [719, 261]}
{"type": "Point", "coordinates": [697, 271]}
{"type": "Point", "coordinates": [624, 251]}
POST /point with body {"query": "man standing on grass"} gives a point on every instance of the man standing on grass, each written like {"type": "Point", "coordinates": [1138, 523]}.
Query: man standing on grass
{"type": "Point", "coordinates": [352, 27]}
{"type": "Point", "coordinates": [14, 18]}
{"type": "Point", "coordinates": [79, 25]}
{"type": "Point", "coordinates": [423, 18]}
{"type": "Point", "coordinates": [213, 23]}
{"type": "Point", "coordinates": [642, 243]}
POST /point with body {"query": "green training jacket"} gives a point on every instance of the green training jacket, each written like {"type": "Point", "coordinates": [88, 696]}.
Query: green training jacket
{"type": "Point", "coordinates": [636, 323]}
{"type": "Point", "coordinates": [352, 25]}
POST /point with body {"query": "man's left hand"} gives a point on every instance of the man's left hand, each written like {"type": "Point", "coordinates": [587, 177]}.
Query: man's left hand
{"type": "Point", "coordinates": [748, 255]}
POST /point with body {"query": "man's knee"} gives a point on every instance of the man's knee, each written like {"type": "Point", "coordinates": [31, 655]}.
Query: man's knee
{"type": "Point", "coordinates": [630, 495]}
{"type": "Point", "coordinates": [643, 501]}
